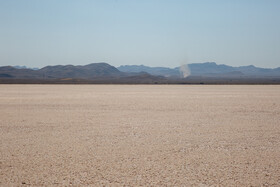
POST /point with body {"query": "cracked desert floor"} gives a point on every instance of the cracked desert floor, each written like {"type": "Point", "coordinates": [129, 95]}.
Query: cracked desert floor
{"type": "Point", "coordinates": [139, 135]}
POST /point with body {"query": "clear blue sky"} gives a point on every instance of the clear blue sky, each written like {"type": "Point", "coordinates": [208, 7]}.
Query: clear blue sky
{"type": "Point", "coordinates": [166, 33]}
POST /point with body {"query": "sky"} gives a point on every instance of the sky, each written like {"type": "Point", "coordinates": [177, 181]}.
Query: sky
{"type": "Point", "coordinates": [166, 33]}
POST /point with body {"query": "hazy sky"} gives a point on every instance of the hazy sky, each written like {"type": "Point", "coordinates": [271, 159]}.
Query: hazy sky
{"type": "Point", "coordinates": [150, 32]}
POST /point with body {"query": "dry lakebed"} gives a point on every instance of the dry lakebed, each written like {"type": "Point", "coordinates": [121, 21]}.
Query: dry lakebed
{"type": "Point", "coordinates": [139, 135]}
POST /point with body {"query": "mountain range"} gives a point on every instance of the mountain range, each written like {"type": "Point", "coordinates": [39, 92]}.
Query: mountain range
{"type": "Point", "coordinates": [208, 72]}
{"type": "Point", "coordinates": [207, 69]}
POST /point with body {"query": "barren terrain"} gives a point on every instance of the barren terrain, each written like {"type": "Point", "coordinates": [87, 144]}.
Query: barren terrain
{"type": "Point", "coordinates": [133, 135]}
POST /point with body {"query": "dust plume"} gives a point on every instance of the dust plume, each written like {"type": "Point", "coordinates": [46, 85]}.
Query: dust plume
{"type": "Point", "coordinates": [184, 70]}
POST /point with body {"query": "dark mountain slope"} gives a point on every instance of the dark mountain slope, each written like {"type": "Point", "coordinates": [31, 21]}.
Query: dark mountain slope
{"type": "Point", "coordinates": [11, 72]}
{"type": "Point", "coordinates": [90, 71]}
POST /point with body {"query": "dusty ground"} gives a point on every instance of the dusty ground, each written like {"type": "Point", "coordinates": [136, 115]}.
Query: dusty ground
{"type": "Point", "coordinates": [165, 135]}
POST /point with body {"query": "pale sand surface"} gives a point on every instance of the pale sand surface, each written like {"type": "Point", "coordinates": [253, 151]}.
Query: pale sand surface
{"type": "Point", "coordinates": [150, 135]}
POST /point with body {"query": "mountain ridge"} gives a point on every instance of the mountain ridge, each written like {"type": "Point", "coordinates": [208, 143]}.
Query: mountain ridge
{"type": "Point", "coordinates": [204, 69]}
{"type": "Point", "coordinates": [103, 73]}
{"type": "Point", "coordinates": [89, 71]}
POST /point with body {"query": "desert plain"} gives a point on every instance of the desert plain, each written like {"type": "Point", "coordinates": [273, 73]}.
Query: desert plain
{"type": "Point", "coordinates": [139, 135]}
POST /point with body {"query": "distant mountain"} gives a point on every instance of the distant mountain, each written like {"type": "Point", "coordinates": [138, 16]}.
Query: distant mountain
{"type": "Point", "coordinates": [213, 68]}
{"type": "Point", "coordinates": [12, 72]}
{"type": "Point", "coordinates": [161, 71]}
{"type": "Point", "coordinates": [24, 67]}
{"type": "Point", "coordinates": [208, 69]}
{"type": "Point", "coordinates": [90, 71]}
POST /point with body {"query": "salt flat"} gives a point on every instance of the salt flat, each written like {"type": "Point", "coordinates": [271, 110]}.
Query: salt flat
{"type": "Point", "coordinates": [150, 135]}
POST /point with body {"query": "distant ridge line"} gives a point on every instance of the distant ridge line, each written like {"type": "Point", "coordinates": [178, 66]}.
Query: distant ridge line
{"type": "Point", "coordinates": [98, 73]}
